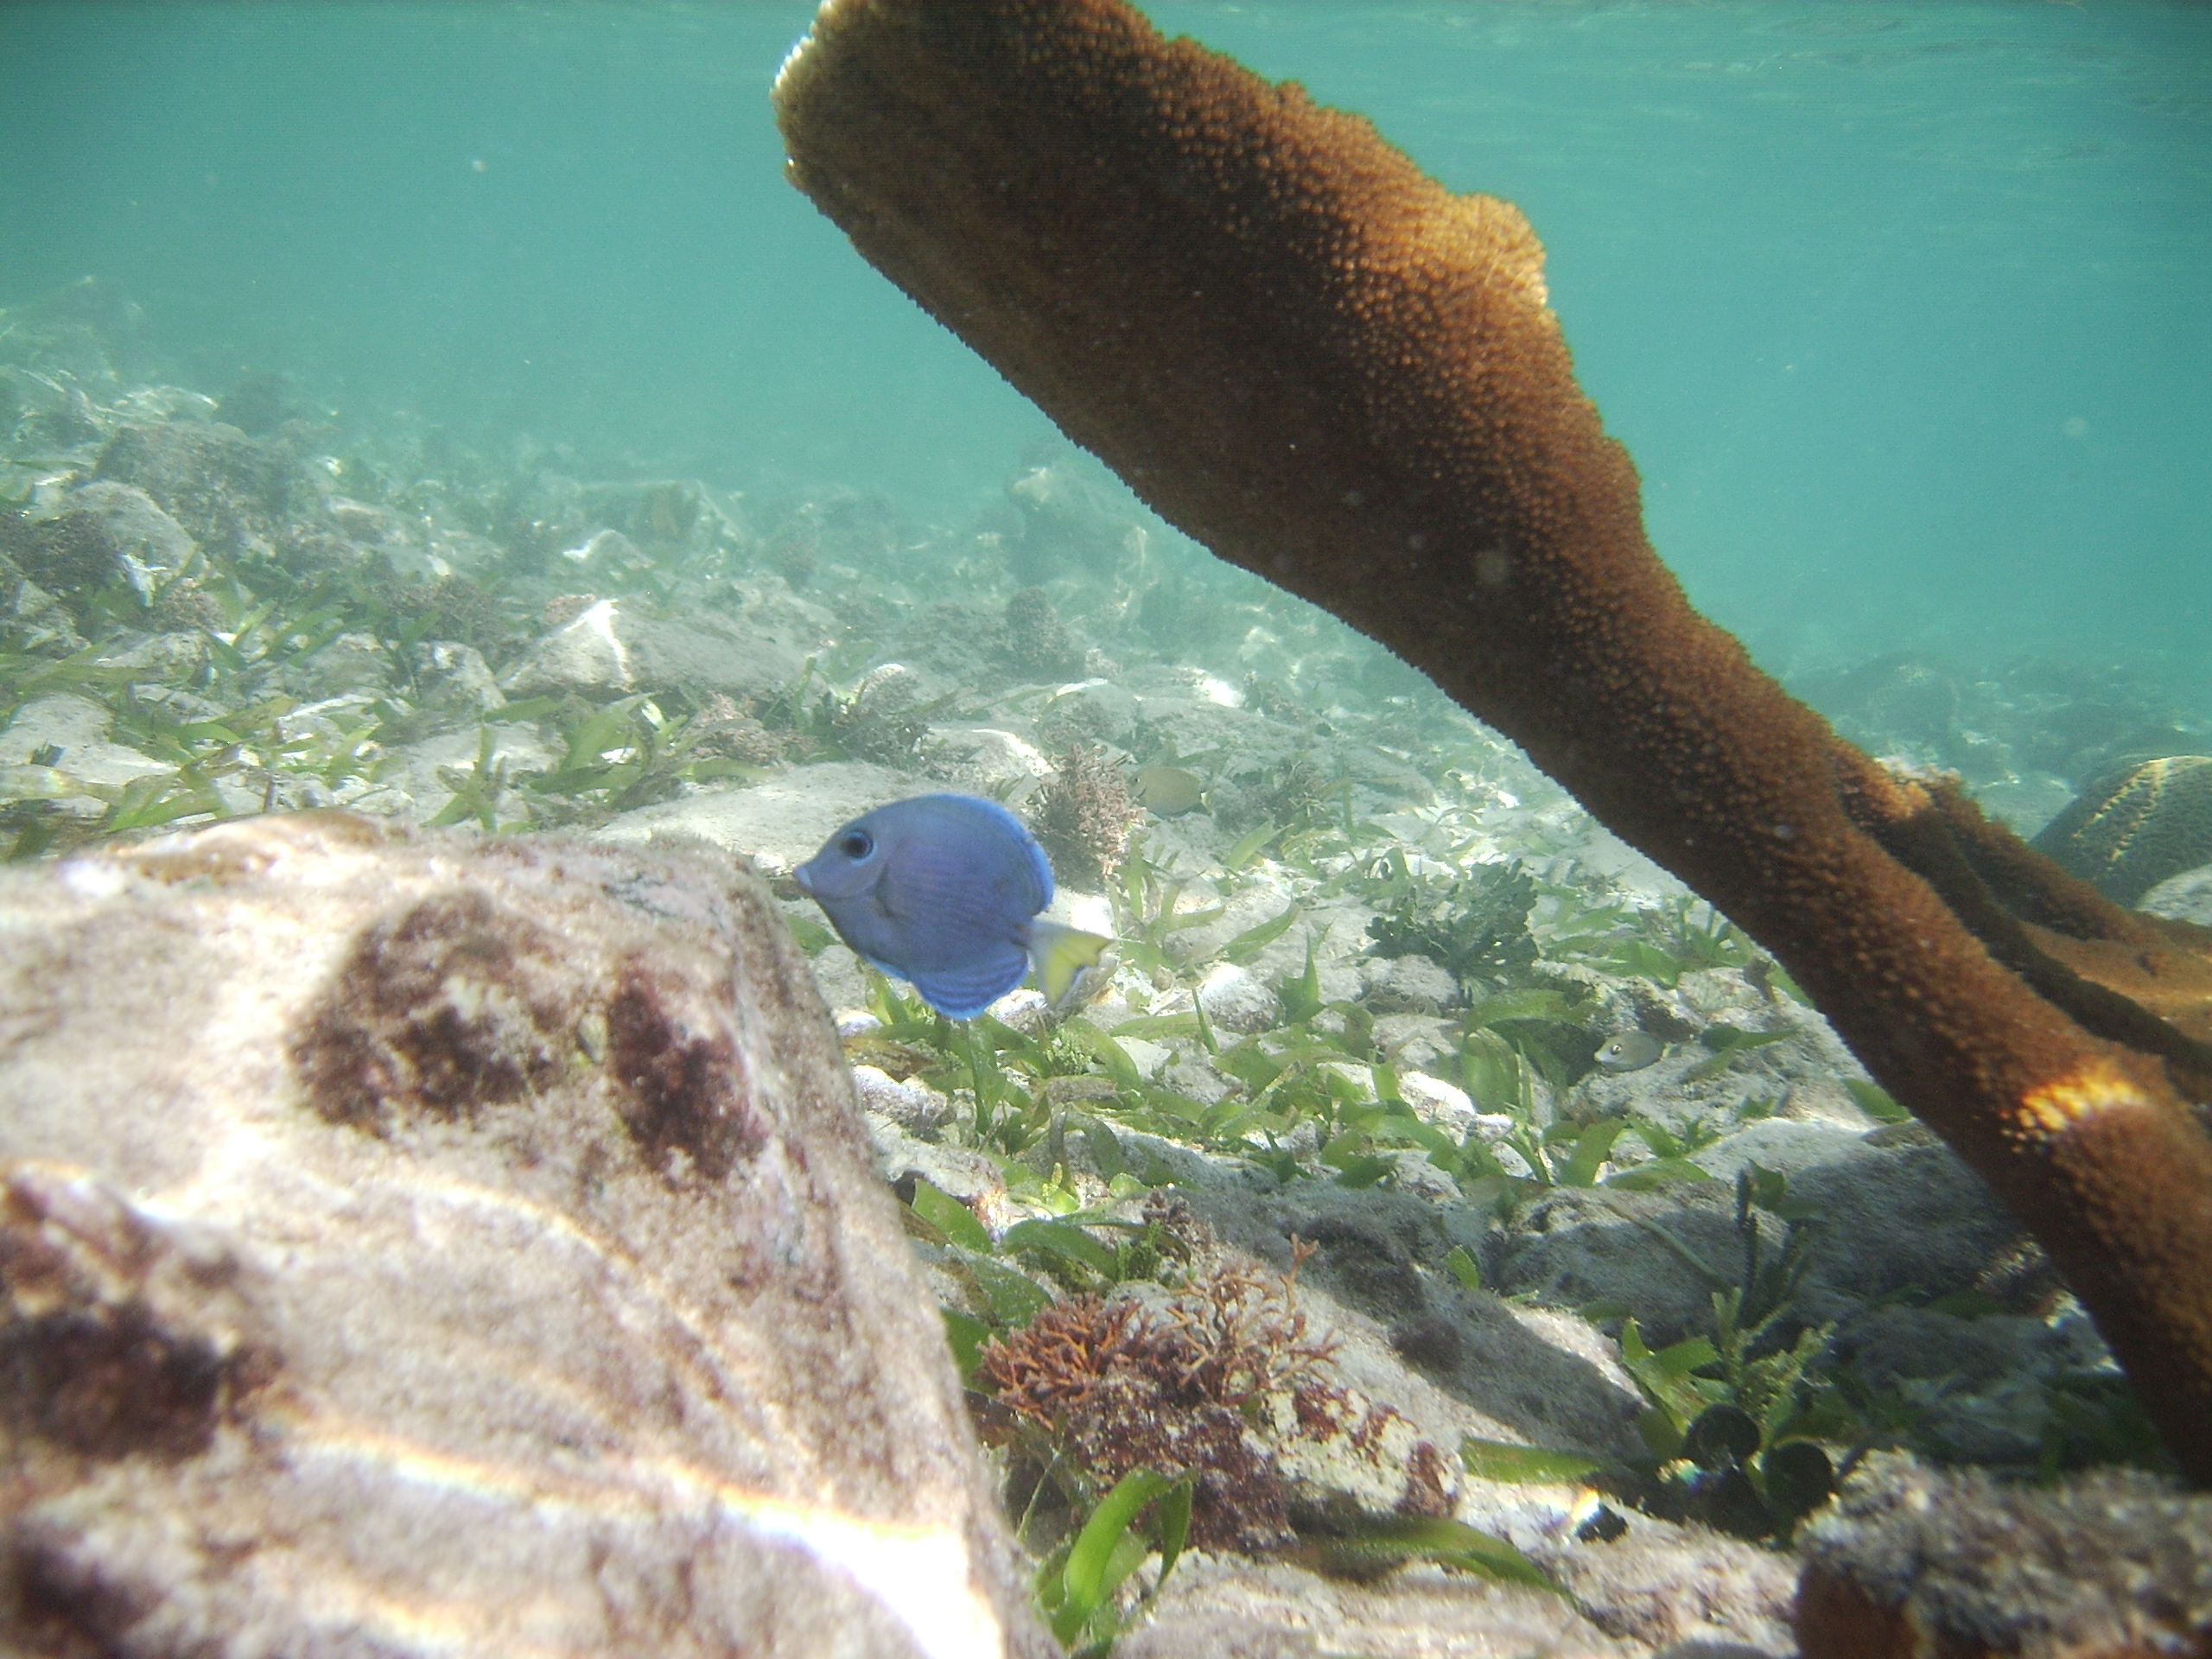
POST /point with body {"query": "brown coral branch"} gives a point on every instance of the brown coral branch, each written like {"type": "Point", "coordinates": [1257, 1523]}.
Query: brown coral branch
{"type": "Point", "coordinates": [1334, 372]}
{"type": "Point", "coordinates": [2131, 979]}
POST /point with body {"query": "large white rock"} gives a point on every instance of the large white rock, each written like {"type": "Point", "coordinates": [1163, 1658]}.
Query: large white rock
{"type": "Point", "coordinates": [611, 646]}
{"type": "Point", "coordinates": [778, 824]}
{"type": "Point", "coordinates": [411, 1246]}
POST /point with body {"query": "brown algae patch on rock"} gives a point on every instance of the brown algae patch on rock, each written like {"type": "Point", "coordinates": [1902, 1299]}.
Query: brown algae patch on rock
{"type": "Point", "coordinates": [685, 1087]}
{"type": "Point", "coordinates": [532, 1292]}
{"type": "Point", "coordinates": [108, 1349]}
{"type": "Point", "coordinates": [458, 1002]}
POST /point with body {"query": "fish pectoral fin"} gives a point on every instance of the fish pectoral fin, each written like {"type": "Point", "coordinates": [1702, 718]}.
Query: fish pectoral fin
{"type": "Point", "coordinates": [1059, 954]}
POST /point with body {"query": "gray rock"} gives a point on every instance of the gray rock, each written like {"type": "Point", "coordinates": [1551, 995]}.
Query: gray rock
{"type": "Point", "coordinates": [230, 492]}
{"type": "Point", "coordinates": [50, 416]}
{"type": "Point", "coordinates": [1198, 1079]}
{"type": "Point", "coordinates": [670, 516]}
{"type": "Point", "coordinates": [1225, 1608]}
{"type": "Point", "coordinates": [1235, 998]}
{"type": "Point", "coordinates": [765, 607]}
{"type": "Point", "coordinates": [165, 403]}
{"type": "Point", "coordinates": [1660, 1589]}
{"type": "Point", "coordinates": [1900, 1218]}
{"type": "Point", "coordinates": [1071, 517]}
{"type": "Point", "coordinates": [38, 620]}
{"type": "Point", "coordinates": [920, 1111]}
{"type": "Point", "coordinates": [397, 539]}
{"type": "Point", "coordinates": [2185, 897]}
{"type": "Point", "coordinates": [778, 824]}
{"type": "Point", "coordinates": [455, 675]}
{"type": "Point", "coordinates": [611, 646]}
{"type": "Point", "coordinates": [1801, 1075]}
{"type": "Point", "coordinates": [145, 543]}
{"type": "Point", "coordinates": [984, 761]}
{"type": "Point", "coordinates": [1982, 1388]}
{"type": "Point", "coordinates": [1382, 1254]}
{"type": "Point", "coordinates": [1200, 714]}
{"type": "Point", "coordinates": [1574, 1246]}
{"type": "Point", "coordinates": [1416, 1041]}
{"type": "Point", "coordinates": [965, 1174]}
{"type": "Point", "coordinates": [1408, 985]}
{"type": "Point", "coordinates": [352, 662]}
{"type": "Point", "coordinates": [421, 1247]}
{"type": "Point", "coordinates": [839, 974]}
{"type": "Point", "coordinates": [64, 721]}
{"type": "Point", "coordinates": [1093, 710]}
{"type": "Point", "coordinates": [955, 642]}
{"type": "Point", "coordinates": [165, 659]}
{"type": "Point", "coordinates": [1390, 778]}
{"type": "Point", "coordinates": [1779, 1144]}
{"type": "Point", "coordinates": [1445, 1104]}
{"type": "Point", "coordinates": [423, 777]}
{"type": "Point", "coordinates": [78, 728]}
{"type": "Point", "coordinates": [887, 690]}
{"type": "Point", "coordinates": [607, 554]}
{"type": "Point", "coordinates": [1889, 1219]}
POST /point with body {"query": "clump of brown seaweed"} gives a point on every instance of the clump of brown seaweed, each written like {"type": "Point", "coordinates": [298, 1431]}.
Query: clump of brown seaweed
{"type": "Point", "coordinates": [733, 731]}
{"type": "Point", "coordinates": [1084, 814]}
{"type": "Point", "coordinates": [1037, 642]}
{"type": "Point", "coordinates": [1110, 1387]}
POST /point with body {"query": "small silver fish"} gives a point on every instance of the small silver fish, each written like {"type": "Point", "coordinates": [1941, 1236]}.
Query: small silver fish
{"type": "Point", "coordinates": [1629, 1051]}
{"type": "Point", "coordinates": [943, 891]}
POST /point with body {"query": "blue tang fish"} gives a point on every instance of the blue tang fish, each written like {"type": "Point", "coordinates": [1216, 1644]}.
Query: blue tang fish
{"type": "Point", "coordinates": [942, 891]}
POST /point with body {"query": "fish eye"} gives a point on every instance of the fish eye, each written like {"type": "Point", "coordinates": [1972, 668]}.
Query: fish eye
{"type": "Point", "coordinates": [857, 845]}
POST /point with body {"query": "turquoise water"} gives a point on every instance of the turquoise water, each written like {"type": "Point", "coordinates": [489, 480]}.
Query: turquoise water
{"type": "Point", "coordinates": [1905, 311]}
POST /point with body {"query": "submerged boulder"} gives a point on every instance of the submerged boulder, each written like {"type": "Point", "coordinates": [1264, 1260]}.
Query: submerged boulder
{"type": "Point", "coordinates": [415, 1245]}
{"type": "Point", "coordinates": [231, 492]}
{"type": "Point", "coordinates": [97, 532]}
{"type": "Point", "coordinates": [611, 646]}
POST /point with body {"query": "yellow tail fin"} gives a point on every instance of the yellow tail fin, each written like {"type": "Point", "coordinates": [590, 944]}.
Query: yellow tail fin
{"type": "Point", "coordinates": [1066, 960]}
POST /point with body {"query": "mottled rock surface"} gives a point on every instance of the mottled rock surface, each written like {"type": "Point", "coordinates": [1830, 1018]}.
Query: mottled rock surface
{"type": "Point", "coordinates": [1224, 1608]}
{"type": "Point", "coordinates": [1912, 1560]}
{"type": "Point", "coordinates": [227, 489]}
{"type": "Point", "coordinates": [416, 1246]}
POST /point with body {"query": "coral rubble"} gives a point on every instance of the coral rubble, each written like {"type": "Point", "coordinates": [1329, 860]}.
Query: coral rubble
{"type": "Point", "coordinates": [1327, 368]}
